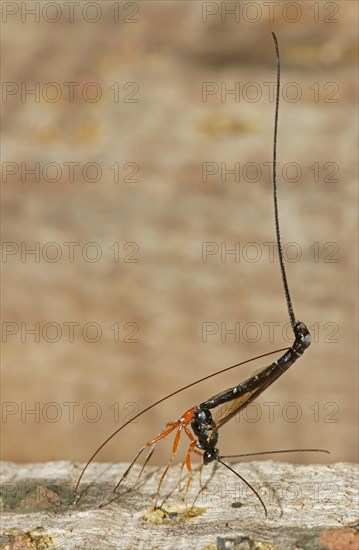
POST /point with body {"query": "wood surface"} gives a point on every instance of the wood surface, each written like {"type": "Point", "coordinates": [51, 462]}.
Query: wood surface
{"type": "Point", "coordinates": [311, 507]}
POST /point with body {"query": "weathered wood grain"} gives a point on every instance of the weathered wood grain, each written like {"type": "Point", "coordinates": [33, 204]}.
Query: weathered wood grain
{"type": "Point", "coordinates": [309, 507]}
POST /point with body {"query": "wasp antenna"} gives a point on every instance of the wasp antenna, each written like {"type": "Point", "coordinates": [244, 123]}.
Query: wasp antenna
{"type": "Point", "coordinates": [244, 481]}
{"type": "Point", "coordinates": [275, 196]}
{"type": "Point", "coordinates": [277, 452]}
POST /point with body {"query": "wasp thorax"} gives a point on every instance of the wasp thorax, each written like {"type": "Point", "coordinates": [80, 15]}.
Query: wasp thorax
{"type": "Point", "coordinates": [204, 428]}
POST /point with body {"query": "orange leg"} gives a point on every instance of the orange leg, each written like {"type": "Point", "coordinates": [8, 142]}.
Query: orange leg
{"type": "Point", "coordinates": [174, 451]}
{"type": "Point", "coordinates": [168, 429]}
{"type": "Point", "coordinates": [187, 461]}
{"type": "Point", "coordinates": [190, 450]}
{"type": "Point", "coordinates": [200, 477]}
{"type": "Point", "coordinates": [185, 419]}
{"type": "Point", "coordinates": [181, 424]}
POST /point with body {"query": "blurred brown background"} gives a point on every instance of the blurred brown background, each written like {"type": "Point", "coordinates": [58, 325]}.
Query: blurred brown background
{"type": "Point", "coordinates": [149, 60]}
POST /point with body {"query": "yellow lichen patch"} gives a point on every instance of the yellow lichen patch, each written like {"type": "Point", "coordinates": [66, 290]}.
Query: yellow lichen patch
{"type": "Point", "coordinates": [212, 546]}
{"type": "Point", "coordinates": [172, 514]}
{"type": "Point", "coordinates": [263, 546]}
{"type": "Point", "coordinates": [36, 539]}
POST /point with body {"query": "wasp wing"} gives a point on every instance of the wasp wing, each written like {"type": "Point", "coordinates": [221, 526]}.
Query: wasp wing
{"type": "Point", "coordinates": [228, 410]}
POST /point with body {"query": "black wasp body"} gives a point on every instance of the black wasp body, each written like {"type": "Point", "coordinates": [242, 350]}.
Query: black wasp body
{"type": "Point", "coordinates": [203, 424]}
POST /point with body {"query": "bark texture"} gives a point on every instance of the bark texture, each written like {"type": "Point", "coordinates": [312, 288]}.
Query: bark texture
{"type": "Point", "coordinates": [312, 507]}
